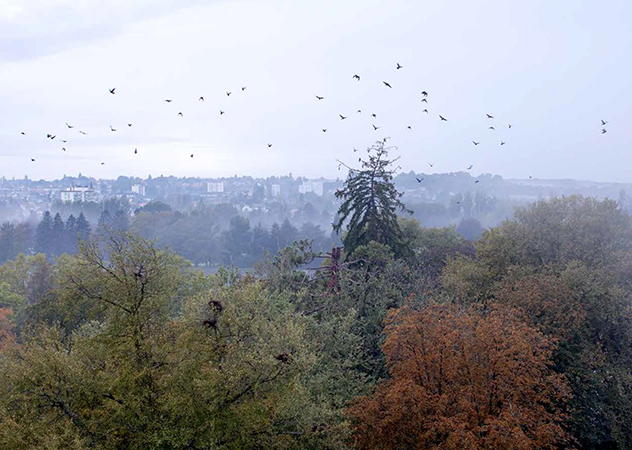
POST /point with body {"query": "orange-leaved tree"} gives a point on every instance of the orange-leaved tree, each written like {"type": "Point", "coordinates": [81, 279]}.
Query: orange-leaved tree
{"type": "Point", "coordinates": [463, 379]}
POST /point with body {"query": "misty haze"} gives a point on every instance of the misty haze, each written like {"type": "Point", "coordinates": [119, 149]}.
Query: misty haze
{"type": "Point", "coordinates": [315, 225]}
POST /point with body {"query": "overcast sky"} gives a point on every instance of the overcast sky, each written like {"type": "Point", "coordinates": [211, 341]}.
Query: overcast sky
{"type": "Point", "coordinates": [553, 69]}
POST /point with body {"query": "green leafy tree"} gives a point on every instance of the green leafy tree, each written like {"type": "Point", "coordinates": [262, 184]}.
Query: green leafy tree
{"type": "Point", "coordinates": [370, 203]}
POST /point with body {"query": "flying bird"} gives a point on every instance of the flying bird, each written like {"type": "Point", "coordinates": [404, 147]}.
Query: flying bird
{"type": "Point", "coordinates": [355, 149]}
{"type": "Point", "coordinates": [409, 127]}
{"type": "Point", "coordinates": [83, 132]}
{"type": "Point", "coordinates": [375, 128]}
{"type": "Point", "coordinates": [168, 100]}
{"type": "Point", "coordinates": [442, 118]}
{"type": "Point", "coordinates": [23, 133]}
{"type": "Point", "coordinates": [491, 128]}
{"type": "Point", "coordinates": [387, 85]}
{"type": "Point", "coordinates": [63, 149]}
{"type": "Point", "coordinates": [103, 164]}
{"type": "Point", "coordinates": [419, 180]}
{"type": "Point", "coordinates": [509, 125]}
{"type": "Point", "coordinates": [191, 155]}
{"type": "Point", "coordinates": [243, 88]}
{"type": "Point", "coordinates": [269, 145]}
{"type": "Point", "coordinates": [603, 131]}
{"type": "Point", "coordinates": [477, 181]}
{"type": "Point", "coordinates": [180, 114]}
{"type": "Point", "coordinates": [324, 130]}
{"type": "Point", "coordinates": [489, 116]}
{"type": "Point", "coordinates": [604, 122]}
{"type": "Point", "coordinates": [319, 97]}
{"type": "Point", "coordinates": [113, 129]}
{"type": "Point", "coordinates": [32, 159]}
{"type": "Point", "coordinates": [475, 143]}
{"type": "Point", "coordinates": [425, 110]}
{"type": "Point", "coordinates": [373, 115]}
{"type": "Point", "coordinates": [399, 66]}
{"type": "Point", "coordinates": [64, 141]}
{"type": "Point", "coordinates": [469, 168]}
{"type": "Point", "coordinates": [424, 93]}
{"type": "Point", "coordinates": [357, 77]}
{"type": "Point", "coordinates": [51, 136]}
{"type": "Point", "coordinates": [112, 90]}
{"type": "Point", "coordinates": [359, 111]}
{"type": "Point", "coordinates": [228, 94]}
{"type": "Point", "coordinates": [201, 99]}
{"type": "Point", "coordinates": [431, 165]}
{"type": "Point", "coordinates": [342, 117]}
{"type": "Point", "coordinates": [502, 142]}
{"type": "Point", "coordinates": [69, 126]}
{"type": "Point", "coordinates": [221, 112]}
{"type": "Point", "coordinates": [135, 151]}
{"type": "Point", "coordinates": [423, 100]}
{"type": "Point", "coordinates": [129, 125]}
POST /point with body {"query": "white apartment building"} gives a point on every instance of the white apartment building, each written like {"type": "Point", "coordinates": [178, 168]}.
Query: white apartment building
{"type": "Point", "coordinates": [79, 194]}
{"type": "Point", "coordinates": [215, 187]}
{"type": "Point", "coordinates": [311, 186]}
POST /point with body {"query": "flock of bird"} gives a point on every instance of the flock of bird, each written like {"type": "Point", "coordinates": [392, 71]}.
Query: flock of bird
{"type": "Point", "coordinates": [357, 78]}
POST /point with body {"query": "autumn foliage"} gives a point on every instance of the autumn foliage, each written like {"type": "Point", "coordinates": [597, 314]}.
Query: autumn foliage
{"type": "Point", "coordinates": [463, 379]}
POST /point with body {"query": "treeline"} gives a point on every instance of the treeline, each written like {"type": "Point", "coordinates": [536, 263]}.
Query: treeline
{"type": "Point", "coordinates": [403, 338]}
{"type": "Point", "coordinates": [207, 235]}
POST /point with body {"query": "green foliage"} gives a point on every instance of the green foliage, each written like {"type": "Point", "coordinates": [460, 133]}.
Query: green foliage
{"type": "Point", "coordinates": [370, 203]}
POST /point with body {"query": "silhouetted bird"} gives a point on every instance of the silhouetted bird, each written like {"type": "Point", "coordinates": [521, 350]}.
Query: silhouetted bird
{"type": "Point", "coordinates": [375, 128]}
{"type": "Point", "coordinates": [409, 127]}
{"type": "Point", "coordinates": [387, 85]}
{"type": "Point", "coordinates": [491, 128]}
{"type": "Point", "coordinates": [509, 125]}
{"type": "Point", "coordinates": [357, 77]}
{"type": "Point", "coordinates": [424, 93]}
{"type": "Point", "coordinates": [23, 133]}
{"type": "Point", "coordinates": [469, 168]}
{"type": "Point", "coordinates": [355, 149]}
{"type": "Point", "coordinates": [32, 159]}
{"type": "Point", "coordinates": [342, 117]}
{"type": "Point", "coordinates": [399, 66]}
{"type": "Point", "coordinates": [425, 110]}
{"type": "Point", "coordinates": [243, 88]}
{"type": "Point", "coordinates": [103, 164]}
{"type": "Point", "coordinates": [431, 165]}
{"type": "Point", "coordinates": [168, 100]}
{"type": "Point", "coordinates": [112, 90]}
{"type": "Point", "coordinates": [502, 142]}
{"type": "Point", "coordinates": [324, 130]}
{"type": "Point", "coordinates": [53, 136]}
{"type": "Point", "coordinates": [112, 129]}
{"type": "Point", "coordinates": [359, 111]}
{"type": "Point", "coordinates": [489, 116]}
{"type": "Point", "coordinates": [221, 112]}
{"type": "Point", "coordinates": [604, 122]}
{"type": "Point", "coordinates": [269, 145]}
{"type": "Point", "coordinates": [530, 177]}
{"type": "Point", "coordinates": [180, 114]}
{"type": "Point", "coordinates": [475, 143]}
{"type": "Point", "coordinates": [69, 126]}
{"type": "Point", "coordinates": [228, 93]}
{"type": "Point", "coordinates": [603, 131]}
{"type": "Point", "coordinates": [476, 182]}
{"type": "Point", "coordinates": [129, 125]}
{"type": "Point", "coordinates": [442, 118]}
{"type": "Point", "coordinates": [64, 141]}
{"type": "Point", "coordinates": [191, 155]}
{"type": "Point", "coordinates": [373, 115]}
{"type": "Point", "coordinates": [423, 100]}
{"type": "Point", "coordinates": [63, 149]}
{"type": "Point", "coordinates": [135, 151]}
{"type": "Point", "coordinates": [419, 180]}
{"type": "Point", "coordinates": [83, 132]}
{"type": "Point", "coordinates": [319, 98]}
{"type": "Point", "coordinates": [201, 99]}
